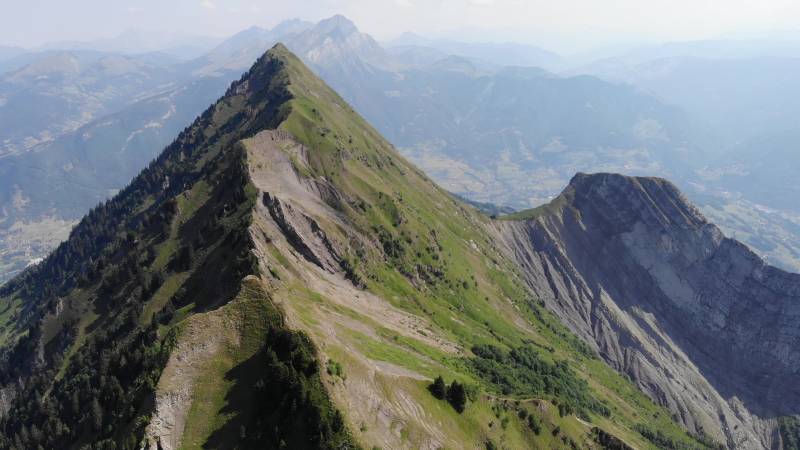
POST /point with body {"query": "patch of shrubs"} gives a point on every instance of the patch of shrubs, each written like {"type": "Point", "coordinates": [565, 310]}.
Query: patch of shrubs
{"type": "Point", "coordinates": [661, 440]}
{"type": "Point", "coordinates": [393, 247]}
{"type": "Point", "coordinates": [523, 372]}
{"type": "Point", "coordinates": [334, 369]}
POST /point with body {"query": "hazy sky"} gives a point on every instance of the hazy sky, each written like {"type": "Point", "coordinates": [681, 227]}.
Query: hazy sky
{"type": "Point", "coordinates": [564, 25]}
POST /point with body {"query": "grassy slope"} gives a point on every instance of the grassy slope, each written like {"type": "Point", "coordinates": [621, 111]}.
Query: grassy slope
{"type": "Point", "coordinates": [547, 208]}
{"type": "Point", "coordinates": [251, 314]}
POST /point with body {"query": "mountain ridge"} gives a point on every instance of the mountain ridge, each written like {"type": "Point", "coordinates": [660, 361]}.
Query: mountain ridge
{"type": "Point", "coordinates": [280, 252]}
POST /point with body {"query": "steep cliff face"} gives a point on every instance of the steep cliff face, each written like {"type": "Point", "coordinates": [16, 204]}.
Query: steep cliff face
{"type": "Point", "coordinates": [697, 320]}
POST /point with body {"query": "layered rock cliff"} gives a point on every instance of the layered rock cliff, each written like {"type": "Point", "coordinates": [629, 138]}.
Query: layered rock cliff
{"type": "Point", "coordinates": [697, 320]}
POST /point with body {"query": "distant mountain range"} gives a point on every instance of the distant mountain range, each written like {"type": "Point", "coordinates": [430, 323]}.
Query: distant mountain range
{"type": "Point", "coordinates": [7, 53]}
{"type": "Point", "coordinates": [61, 91]}
{"type": "Point", "coordinates": [137, 42]}
{"type": "Point", "coordinates": [497, 54]}
{"type": "Point", "coordinates": [511, 136]}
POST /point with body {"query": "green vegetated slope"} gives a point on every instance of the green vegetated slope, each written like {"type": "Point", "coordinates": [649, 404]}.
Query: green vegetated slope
{"type": "Point", "coordinates": [211, 304]}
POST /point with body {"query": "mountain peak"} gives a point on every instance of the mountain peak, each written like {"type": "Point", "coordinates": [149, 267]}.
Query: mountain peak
{"type": "Point", "coordinates": [279, 51]}
{"type": "Point", "coordinates": [61, 63]}
{"type": "Point", "coordinates": [601, 185]}
{"type": "Point", "coordinates": [614, 204]}
{"type": "Point", "coordinates": [621, 201]}
{"type": "Point", "coordinates": [338, 40]}
{"type": "Point", "coordinates": [583, 178]}
{"type": "Point", "coordinates": [337, 23]}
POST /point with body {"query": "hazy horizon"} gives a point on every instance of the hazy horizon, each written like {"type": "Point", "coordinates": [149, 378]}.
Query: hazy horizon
{"type": "Point", "coordinates": [567, 27]}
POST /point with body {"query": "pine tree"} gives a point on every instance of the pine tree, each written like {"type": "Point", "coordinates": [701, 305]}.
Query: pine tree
{"type": "Point", "coordinates": [457, 396]}
{"type": "Point", "coordinates": [438, 388]}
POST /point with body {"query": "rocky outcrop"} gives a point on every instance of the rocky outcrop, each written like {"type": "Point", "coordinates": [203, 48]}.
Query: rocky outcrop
{"type": "Point", "coordinates": [304, 233]}
{"type": "Point", "coordinates": [697, 320]}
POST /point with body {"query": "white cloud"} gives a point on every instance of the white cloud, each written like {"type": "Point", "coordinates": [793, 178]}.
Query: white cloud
{"type": "Point", "coordinates": [404, 3]}
{"type": "Point", "coordinates": [208, 4]}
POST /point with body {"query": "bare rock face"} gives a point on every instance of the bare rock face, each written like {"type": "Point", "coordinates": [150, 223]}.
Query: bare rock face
{"type": "Point", "coordinates": [303, 233]}
{"type": "Point", "coordinates": [697, 320]}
